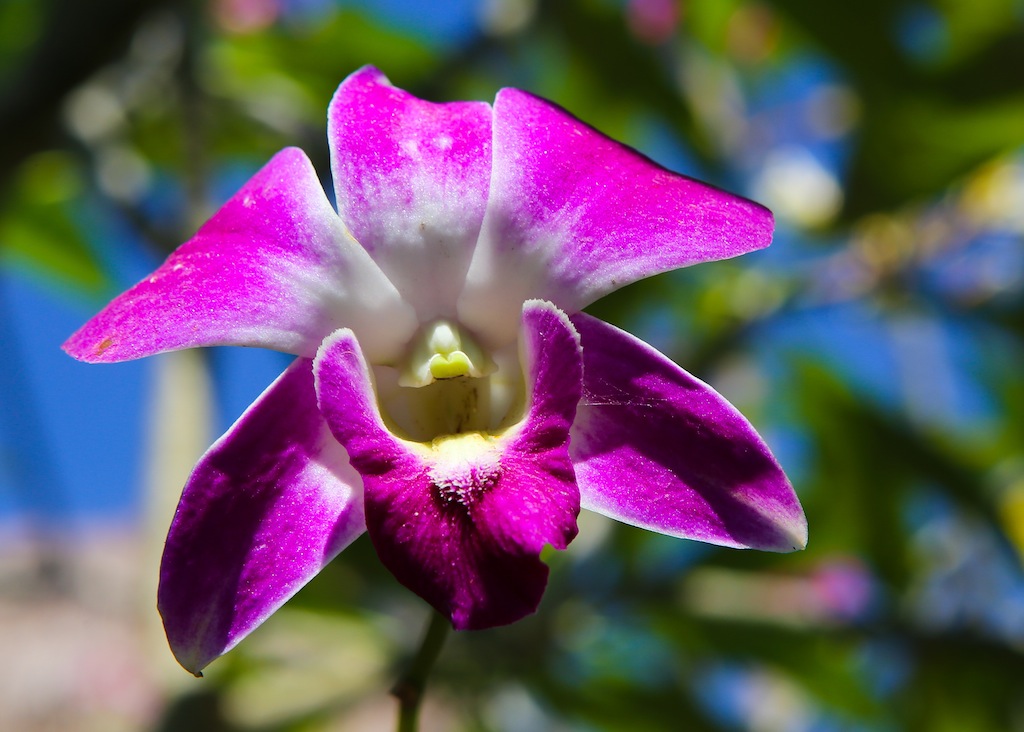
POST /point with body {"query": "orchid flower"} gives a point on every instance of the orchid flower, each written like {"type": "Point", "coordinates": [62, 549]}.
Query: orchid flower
{"type": "Point", "coordinates": [448, 396]}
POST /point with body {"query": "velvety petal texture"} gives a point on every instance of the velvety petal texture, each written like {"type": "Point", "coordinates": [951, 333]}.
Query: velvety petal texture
{"type": "Point", "coordinates": [267, 507]}
{"type": "Point", "coordinates": [574, 215]}
{"type": "Point", "coordinates": [273, 268]}
{"type": "Point", "coordinates": [462, 522]}
{"type": "Point", "coordinates": [462, 233]}
{"type": "Point", "coordinates": [411, 178]}
{"type": "Point", "coordinates": [657, 448]}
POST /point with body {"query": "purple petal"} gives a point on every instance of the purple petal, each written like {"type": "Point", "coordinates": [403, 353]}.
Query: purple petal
{"type": "Point", "coordinates": [267, 507]}
{"type": "Point", "coordinates": [462, 521]}
{"type": "Point", "coordinates": [574, 215]}
{"type": "Point", "coordinates": [273, 268]}
{"type": "Point", "coordinates": [657, 448]}
{"type": "Point", "coordinates": [411, 179]}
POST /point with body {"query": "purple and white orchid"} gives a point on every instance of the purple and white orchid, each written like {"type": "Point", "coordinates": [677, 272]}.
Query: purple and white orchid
{"type": "Point", "coordinates": [448, 397]}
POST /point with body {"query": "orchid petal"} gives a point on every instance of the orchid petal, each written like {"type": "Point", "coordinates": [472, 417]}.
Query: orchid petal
{"type": "Point", "coordinates": [273, 268]}
{"type": "Point", "coordinates": [411, 179]}
{"type": "Point", "coordinates": [657, 448]}
{"type": "Point", "coordinates": [462, 521]}
{"type": "Point", "coordinates": [268, 506]}
{"type": "Point", "coordinates": [574, 215]}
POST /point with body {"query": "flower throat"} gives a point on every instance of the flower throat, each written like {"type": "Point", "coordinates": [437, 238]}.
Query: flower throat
{"type": "Point", "coordinates": [448, 385]}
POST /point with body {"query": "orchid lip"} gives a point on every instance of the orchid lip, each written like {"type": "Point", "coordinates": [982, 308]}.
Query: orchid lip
{"type": "Point", "coordinates": [463, 518]}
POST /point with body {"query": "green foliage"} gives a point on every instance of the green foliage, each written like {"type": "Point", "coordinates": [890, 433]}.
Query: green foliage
{"type": "Point", "coordinates": [38, 227]}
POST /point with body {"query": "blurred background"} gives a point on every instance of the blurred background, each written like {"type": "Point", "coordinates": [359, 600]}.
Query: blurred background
{"type": "Point", "coordinates": [877, 345]}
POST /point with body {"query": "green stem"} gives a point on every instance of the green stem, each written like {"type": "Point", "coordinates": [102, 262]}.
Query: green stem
{"type": "Point", "coordinates": [409, 689]}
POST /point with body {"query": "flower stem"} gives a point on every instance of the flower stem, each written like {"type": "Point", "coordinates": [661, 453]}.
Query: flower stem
{"type": "Point", "coordinates": [409, 689]}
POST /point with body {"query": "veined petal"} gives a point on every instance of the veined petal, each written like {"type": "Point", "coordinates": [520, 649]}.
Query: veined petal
{"type": "Point", "coordinates": [268, 506]}
{"type": "Point", "coordinates": [657, 448]}
{"type": "Point", "coordinates": [411, 178]}
{"type": "Point", "coordinates": [273, 268]}
{"type": "Point", "coordinates": [574, 215]}
{"type": "Point", "coordinates": [462, 521]}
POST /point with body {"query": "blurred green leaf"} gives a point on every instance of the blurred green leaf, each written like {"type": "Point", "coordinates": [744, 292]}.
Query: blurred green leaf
{"type": "Point", "coordinates": [912, 147]}
{"type": "Point", "coordinates": [37, 227]}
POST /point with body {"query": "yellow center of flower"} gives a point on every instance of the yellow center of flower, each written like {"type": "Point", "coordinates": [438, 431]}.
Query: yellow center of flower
{"type": "Point", "coordinates": [464, 467]}
{"type": "Point", "coordinates": [447, 385]}
{"type": "Point", "coordinates": [449, 365]}
{"type": "Point", "coordinates": [443, 351]}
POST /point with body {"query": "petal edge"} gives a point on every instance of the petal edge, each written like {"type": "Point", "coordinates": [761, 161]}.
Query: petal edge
{"type": "Point", "coordinates": [268, 506]}
{"type": "Point", "coordinates": [573, 215]}
{"type": "Point", "coordinates": [657, 448]}
{"type": "Point", "coordinates": [273, 268]}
